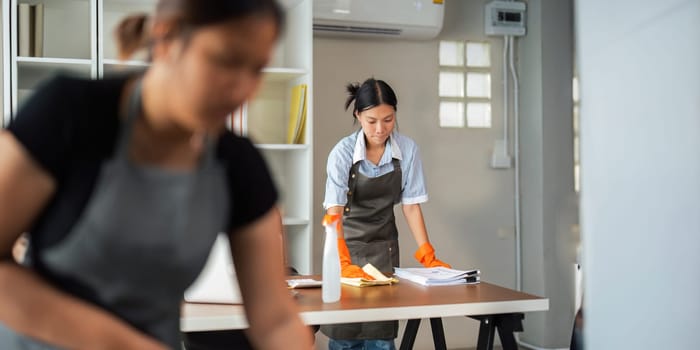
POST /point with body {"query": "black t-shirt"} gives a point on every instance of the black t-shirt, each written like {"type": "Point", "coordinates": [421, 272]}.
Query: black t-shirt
{"type": "Point", "coordinates": [70, 127]}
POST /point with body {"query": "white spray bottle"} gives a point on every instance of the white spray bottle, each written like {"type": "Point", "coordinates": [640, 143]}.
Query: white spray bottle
{"type": "Point", "coordinates": [330, 290]}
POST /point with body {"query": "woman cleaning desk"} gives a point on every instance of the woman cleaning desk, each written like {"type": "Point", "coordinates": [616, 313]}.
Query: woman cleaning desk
{"type": "Point", "coordinates": [369, 172]}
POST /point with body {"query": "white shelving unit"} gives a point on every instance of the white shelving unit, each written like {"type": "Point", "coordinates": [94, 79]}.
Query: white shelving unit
{"type": "Point", "coordinates": [69, 46]}
{"type": "Point", "coordinates": [266, 123]}
{"type": "Point", "coordinates": [78, 40]}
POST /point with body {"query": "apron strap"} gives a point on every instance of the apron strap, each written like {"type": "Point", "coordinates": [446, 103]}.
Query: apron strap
{"type": "Point", "coordinates": [352, 183]}
{"type": "Point", "coordinates": [399, 172]}
{"type": "Point", "coordinates": [135, 109]}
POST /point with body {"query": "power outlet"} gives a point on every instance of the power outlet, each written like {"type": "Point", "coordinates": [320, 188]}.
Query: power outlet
{"type": "Point", "coordinates": [500, 158]}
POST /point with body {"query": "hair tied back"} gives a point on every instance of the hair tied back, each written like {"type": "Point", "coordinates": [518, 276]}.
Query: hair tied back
{"type": "Point", "coordinates": [352, 89]}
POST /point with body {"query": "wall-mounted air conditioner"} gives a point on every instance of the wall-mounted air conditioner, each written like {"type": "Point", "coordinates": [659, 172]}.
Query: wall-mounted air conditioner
{"type": "Point", "coordinates": [399, 19]}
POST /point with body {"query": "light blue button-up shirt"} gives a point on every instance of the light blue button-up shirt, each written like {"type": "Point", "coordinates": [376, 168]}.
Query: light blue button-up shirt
{"type": "Point", "coordinates": [352, 149]}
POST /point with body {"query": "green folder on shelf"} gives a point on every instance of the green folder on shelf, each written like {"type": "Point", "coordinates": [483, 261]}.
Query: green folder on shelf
{"type": "Point", "coordinates": [297, 114]}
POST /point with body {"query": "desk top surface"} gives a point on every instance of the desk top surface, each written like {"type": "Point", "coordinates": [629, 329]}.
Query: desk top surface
{"type": "Point", "coordinates": [405, 300]}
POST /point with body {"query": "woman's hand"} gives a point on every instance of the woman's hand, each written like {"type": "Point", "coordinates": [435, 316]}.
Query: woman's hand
{"type": "Point", "coordinates": [426, 256]}
{"type": "Point", "coordinates": [30, 306]}
{"type": "Point", "coordinates": [347, 269]}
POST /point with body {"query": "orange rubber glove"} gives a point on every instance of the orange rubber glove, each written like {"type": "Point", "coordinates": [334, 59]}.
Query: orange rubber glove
{"type": "Point", "coordinates": [426, 256]}
{"type": "Point", "coordinates": [347, 269]}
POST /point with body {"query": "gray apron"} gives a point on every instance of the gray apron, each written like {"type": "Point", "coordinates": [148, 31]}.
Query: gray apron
{"type": "Point", "coordinates": [370, 233]}
{"type": "Point", "coordinates": [142, 239]}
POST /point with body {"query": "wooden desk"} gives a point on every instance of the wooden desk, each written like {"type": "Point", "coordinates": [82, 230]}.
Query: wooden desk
{"type": "Point", "coordinates": [496, 307]}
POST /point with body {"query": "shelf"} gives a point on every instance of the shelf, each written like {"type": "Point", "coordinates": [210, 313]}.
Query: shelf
{"type": "Point", "coordinates": [289, 221]}
{"type": "Point", "coordinates": [129, 63]}
{"type": "Point", "coordinates": [291, 174]}
{"type": "Point", "coordinates": [52, 63]}
{"type": "Point", "coordinates": [272, 75]}
{"type": "Point", "coordinates": [67, 28]}
{"type": "Point", "coordinates": [34, 70]}
{"type": "Point", "coordinates": [129, 4]}
{"type": "Point", "coordinates": [128, 7]}
{"type": "Point", "coordinates": [117, 67]}
{"type": "Point", "coordinates": [268, 113]}
{"type": "Point", "coordinates": [280, 74]}
{"type": "Point", "coordinates": [298, 241]}
{"type": "Point", "coordinates": [53, 2]}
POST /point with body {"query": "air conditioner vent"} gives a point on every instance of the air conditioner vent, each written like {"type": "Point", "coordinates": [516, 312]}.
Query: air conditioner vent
{"type": "Point", "coordinates": [378, 19]}
{"type": "Point", "coordinates": [355, 29]}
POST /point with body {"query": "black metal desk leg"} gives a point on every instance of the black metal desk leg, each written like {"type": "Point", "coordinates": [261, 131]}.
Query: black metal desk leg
{"type": "Point", "coordinates": [409, 334]}
{"type": "Point", "coordinates": [486, 333]}
{"type": "Point", "coordinates": [438, 333]}
{"type": "Point", "coordinates": [507, 340]}
{"type": "Point", "coordinates": [506, 325]}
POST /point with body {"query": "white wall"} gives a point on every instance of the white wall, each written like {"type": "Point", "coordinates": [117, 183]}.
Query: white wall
{"type": "Point", "coordinates": [640, 136]}
{"type": "Point", "coordinates": [469, 201]}
{"type": "Point", "coordinates": [549, 203]}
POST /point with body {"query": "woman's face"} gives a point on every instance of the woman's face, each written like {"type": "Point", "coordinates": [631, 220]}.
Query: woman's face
{"type": "Point", "coordinates": [377, 123]}
{"type": "Point", "coordinates": [217, 70]}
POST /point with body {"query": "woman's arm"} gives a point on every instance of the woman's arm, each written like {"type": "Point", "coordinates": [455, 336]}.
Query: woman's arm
{"type": "Point", "coordinates": [28, 305]}
{"type": "Point", "coordinates": [270, 308]}
{"type": "Point", "coordinates": [425, 253]}
{"type": "Point", "coordinates": [414, 218]}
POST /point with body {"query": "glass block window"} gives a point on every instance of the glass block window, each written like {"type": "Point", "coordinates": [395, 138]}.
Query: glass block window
{"type": "Point", "coordinates": [451, 114]}
{"type": "Point", "coordinates": [478, 115]}
{"type": "Point", "coordinates": [451, 53]}
{"type": "Point", "coordinates": [478, 54]}
{"type": "Point", "coordinates": [451, 84]}
{"type": "Point", "coordinates": [464, 86]}
{"type": "Point", "coordinates": [576, 122]}
{"type": "Point", "coordinates": [479, 85]}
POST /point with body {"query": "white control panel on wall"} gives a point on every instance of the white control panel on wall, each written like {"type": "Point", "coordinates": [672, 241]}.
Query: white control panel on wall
{"type": "Point", "coordinates": [505, 18]}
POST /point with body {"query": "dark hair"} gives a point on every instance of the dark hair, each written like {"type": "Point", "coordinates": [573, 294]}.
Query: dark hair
{"type": "Point", "coordinates": [370, 94]}
{"type": "Point", "coordinates": [189, 15]}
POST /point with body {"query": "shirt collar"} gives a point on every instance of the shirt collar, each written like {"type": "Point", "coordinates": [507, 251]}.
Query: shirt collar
{"type": "Point", "coordinates": [360, 151]}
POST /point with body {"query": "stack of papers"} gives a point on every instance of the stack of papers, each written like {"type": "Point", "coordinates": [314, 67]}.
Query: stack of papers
{"type": "Point", "coordinates": [379, 278]}
{"type": "Point", "coordinates": [304, 283]}
{"type": "Point", "coordinates": [438, 276]}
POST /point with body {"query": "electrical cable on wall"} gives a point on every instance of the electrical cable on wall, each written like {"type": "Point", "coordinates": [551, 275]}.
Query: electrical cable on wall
{"type": "Point", "coordinates": [516, 157]}
{"type": "Point", "coordinates": [506, 45]}
{"type": "Point", "coordinates": [507, 19]}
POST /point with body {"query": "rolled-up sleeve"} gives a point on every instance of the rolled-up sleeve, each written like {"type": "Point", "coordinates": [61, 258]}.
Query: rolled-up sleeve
{"type": "Point", "coordinates": [337, 171]}
{"type": "Point", "coordinates": [414, 189]}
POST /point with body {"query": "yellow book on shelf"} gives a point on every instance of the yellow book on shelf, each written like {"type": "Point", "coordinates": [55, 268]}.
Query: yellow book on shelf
{"type": "Point", "coordinates": [297, 109]}
{"type": "Point", "coordinates": [301, 130]}
{"type": "Point", "coordinates": [379, 278]}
